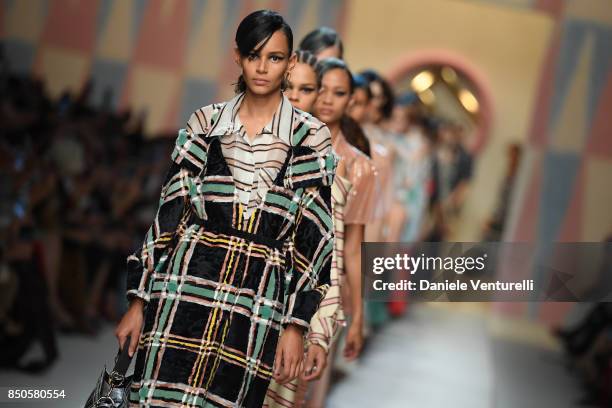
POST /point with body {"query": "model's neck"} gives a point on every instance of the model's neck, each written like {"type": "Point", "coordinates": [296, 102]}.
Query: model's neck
{"type": "Point", "coordinates": [334, 129]}
{"type": "Point", "coordinates": [265, 106]}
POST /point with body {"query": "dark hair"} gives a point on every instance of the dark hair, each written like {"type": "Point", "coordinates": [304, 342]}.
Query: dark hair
{"type": "Point", "coordinates": [327, 64]}
{"type": "Point", "coordinates": [354, 134]}
{"type": "Point", "coordinates": [308, 58]}
{"type": "Point", "coordinates": [257, 28]}
{"type": "Point", "coordinates": [361, 83]}
{"type": "Point", "coordinates": [373, 76]}
{"type": "Point", "coordinates": [320, 39]}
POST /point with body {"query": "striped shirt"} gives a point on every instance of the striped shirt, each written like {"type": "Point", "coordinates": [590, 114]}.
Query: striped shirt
{"type": "Point", "coordinates": [255, 163]}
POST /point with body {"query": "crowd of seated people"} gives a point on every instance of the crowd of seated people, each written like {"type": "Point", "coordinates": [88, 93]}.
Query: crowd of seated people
{"type": "Point", "coordinates": [79, 186]}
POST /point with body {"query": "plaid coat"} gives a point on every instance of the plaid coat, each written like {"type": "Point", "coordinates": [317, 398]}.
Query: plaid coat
{"type": "Point", "coordinates": [220, 287]}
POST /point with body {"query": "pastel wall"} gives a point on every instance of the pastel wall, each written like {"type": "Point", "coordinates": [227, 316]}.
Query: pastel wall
{"type": "Point", "coordinates": [167, 57]}
{"type": "Point", "coordinates": [565, 190]}
{"type": "Point", "coordinates": [505, 45]}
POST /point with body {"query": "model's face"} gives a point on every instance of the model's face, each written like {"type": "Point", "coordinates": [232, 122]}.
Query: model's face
{"type": "Point", "coordinates": [264, 71]}
{"type": "Point", "coordinates": [302, 90]}
{"type": "Point", "coordinates": [334, 96]}
{"type": "Point", "coordinates": [358, 106]}
{"type": "Point", "coordinates": [398, 122]}
{"type": "Point", "coordinates": [376, 103]}
{"type": "Point", "coordinates": [328, 52]}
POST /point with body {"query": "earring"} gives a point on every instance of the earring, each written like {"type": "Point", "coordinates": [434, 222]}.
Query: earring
{"type": "Point", "coordinates": [285, 82]}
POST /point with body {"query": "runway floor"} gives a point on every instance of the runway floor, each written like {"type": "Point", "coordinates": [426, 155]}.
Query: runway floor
{"type": "Point", "coordinates": [433, 357]}
{"type": "Point", "coordinates": [436, 357]}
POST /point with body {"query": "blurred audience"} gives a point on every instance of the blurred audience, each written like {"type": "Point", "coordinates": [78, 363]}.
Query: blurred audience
{"type": "Point", "coordinates": [78, 187]}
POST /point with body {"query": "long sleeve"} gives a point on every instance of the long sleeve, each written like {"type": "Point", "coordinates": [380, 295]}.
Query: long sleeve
{"type": "Point", "coordinates": [329, 317]}
{"type": "Point", "coordinates": [312, 241]}
{"type": "Point", "coordinates": [171, 212]}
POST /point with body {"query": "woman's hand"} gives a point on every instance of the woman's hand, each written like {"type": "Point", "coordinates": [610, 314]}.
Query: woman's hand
{"type": "Point", "coordinates": [130, 325]}
{"type": "Point", "coordinates": [316, 360]}
{"type": "Point", "coordinates": [354, 340]}
{"type": "Point", "coordinates": [289, 355]}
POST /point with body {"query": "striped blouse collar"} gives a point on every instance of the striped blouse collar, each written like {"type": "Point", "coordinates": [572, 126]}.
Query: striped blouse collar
{"type": "Point", "coordinates": [281, 124]}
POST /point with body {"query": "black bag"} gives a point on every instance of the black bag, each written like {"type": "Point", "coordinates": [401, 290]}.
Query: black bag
{"type": "Point", "coordinates": [113, 390]}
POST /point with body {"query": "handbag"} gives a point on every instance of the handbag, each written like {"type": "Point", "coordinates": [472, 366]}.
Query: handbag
{"type": "Point", "coordinates": [112, 390]}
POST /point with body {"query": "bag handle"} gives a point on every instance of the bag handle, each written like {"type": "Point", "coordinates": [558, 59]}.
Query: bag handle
{"type": "Point", "coordinates": [123, 359]}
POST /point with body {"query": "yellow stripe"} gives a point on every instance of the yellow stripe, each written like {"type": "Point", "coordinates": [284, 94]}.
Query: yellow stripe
{"type": "Point", "coordinates": [227, 241]}
{"type": "Point", "coordinates": [217, 347]}
{"type": "Point", "coordinates": [202, 357]}
{"type": "Point", "coordinates": [231, 261]}
{"type": "Point", "coordinates": [251, 220]}
{"type": "Point", "coordinates": [301, 263]}
{"type": "Point", "coordinates": [216, 363]}
{"type": "Point", "coordinates": [214, 316]}
{"type": "Point", "coordinates": [239, 215]}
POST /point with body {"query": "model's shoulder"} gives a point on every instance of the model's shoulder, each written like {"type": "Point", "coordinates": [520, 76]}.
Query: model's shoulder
{"type": "Point", "coordinates": [310, 132]}
{"type": "Point", "coordinates": [358, 154]}
{"type": "Point", "coordinates": [302, 118]}
{"type": "Point", "coordinates": [362, 162]}
{"type": "Point", "coordinates": [205, 117]}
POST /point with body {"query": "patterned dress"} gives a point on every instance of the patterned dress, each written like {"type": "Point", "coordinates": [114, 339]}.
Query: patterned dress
{"type": "Point", "coordinates": [219, 286]}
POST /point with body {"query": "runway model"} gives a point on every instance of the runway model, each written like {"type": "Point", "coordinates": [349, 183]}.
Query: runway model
{"type": "Point", "coordinates": [241, 246]}
{"type": "Point", "coordinates": [337, 89]}
{"type": "Point", "coordinates": [325, 325]}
